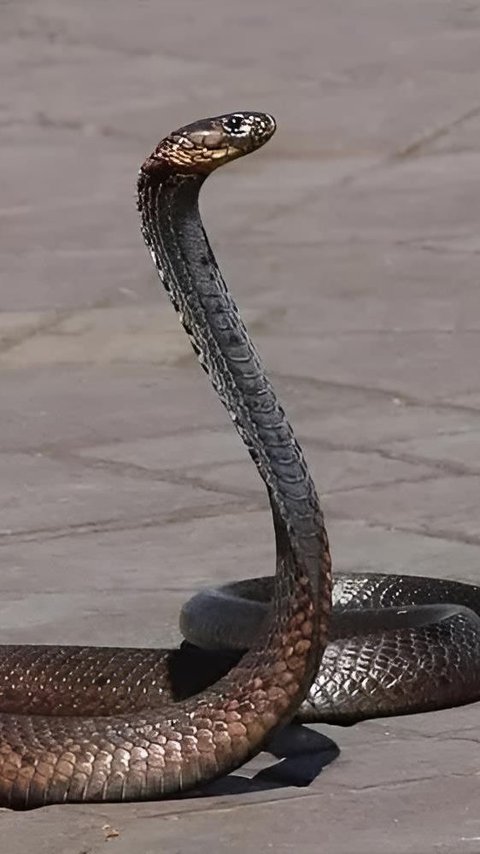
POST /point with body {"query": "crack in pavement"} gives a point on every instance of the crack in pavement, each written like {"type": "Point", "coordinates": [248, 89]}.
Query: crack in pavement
{"type": "Point", "coordinates": [8, 341]}
{"type": "Point", "coordinates": [179, 477]}
{"type": "Point", "coordinates": [445, 534]}
{"type": "Point", "coordinates": [447, 467]}
{"type": "Point", "coordinates": [47, 322]}
{"type": "Point", "coordinates": [185, 514]}
{"type": "Point", "coordinates": [408, 781]}
{"type": "Point", "coordinates": [395, 396]}
{"type": "Point", "coordinates": [417, 146]}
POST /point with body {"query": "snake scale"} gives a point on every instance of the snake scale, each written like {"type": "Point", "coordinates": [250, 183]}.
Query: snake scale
{"type": "Point", "coordinates": [110, 724]}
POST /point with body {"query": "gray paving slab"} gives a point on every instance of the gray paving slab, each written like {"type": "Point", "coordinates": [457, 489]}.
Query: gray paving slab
{"type": "Point", "coordinates": [351, 243]}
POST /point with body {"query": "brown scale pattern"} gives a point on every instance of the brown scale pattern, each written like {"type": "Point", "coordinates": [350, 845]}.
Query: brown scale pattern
{"type": "Point", "coordinates": [397, 644]}
{"type": "Point", "coordinates": [79, 724]}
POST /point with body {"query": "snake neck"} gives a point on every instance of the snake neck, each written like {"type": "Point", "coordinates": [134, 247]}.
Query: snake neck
{"type": "Point", "coordinates": [173, 231]}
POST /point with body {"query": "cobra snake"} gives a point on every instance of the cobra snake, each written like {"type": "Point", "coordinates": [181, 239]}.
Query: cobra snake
{"type": "Point", "coordinates": [112, 724]}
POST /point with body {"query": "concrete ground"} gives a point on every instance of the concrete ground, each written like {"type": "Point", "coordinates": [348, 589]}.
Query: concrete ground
{"type": "Point", "coordinates": [352, 246]}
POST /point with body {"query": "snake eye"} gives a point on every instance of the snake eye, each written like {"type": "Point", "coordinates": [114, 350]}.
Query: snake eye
{"type": "Point", "coordinates": [237, 125]}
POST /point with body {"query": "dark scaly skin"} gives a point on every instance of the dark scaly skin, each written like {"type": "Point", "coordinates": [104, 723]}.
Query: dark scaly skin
{"type": "Point", "coordinates": [397, 643]}
{"type": "Point", "coordinates": [95, 751]}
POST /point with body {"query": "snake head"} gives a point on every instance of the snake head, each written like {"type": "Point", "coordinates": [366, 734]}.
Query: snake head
{"type": "Point", "coordinates": [204, 145]}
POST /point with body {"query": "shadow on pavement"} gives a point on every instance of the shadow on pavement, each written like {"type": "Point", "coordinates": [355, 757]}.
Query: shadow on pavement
{"type": "Point", "coordinates": [302, 752]}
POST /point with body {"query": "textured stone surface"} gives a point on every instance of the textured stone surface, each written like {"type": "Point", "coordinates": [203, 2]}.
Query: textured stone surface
{"type": "Point", "coordinates": [351, 243]}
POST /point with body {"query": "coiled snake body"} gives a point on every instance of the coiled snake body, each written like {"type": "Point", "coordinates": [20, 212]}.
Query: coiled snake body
{"type": "Point", "coordinates": [101, 724]}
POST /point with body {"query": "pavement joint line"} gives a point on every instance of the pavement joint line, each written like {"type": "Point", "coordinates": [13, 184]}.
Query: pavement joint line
{"type": "Point", "coordinates": [304, 198]}
{"type": "Point", "coordinates": [44, 120]}
{"type": "Point", "coordinates": [81, 447]}
{"type": "Point", "coordinates": [78, 453]}
{"type": "Point", "coordinates": [50, 322]}
{"type": "Point", "coordinates": [392, 331]}
{"type": "Point", "coordinates": [395, 396]}
{"type": "Point", "coordinates": [174, 477]}
{"type": "Point", "coordinates": [75, 446]}
{"type": "Point", "coordinates": [447, 467]}
{"type": "Point", "coordinates": [402, 733]}
{"type": "Point", "coordinates": [146, 53]}
{"type": "Point", "coordinates": [55, 207]}
{"type": "Point", "coordinates": [434, 475]}
{"type": "Point", "coordinates": [374, 485]}
{"type": "Point", "coordinates": [440, 534]}
{"type": "Point", "coordinates": [389, 160]}
{"type": "Point", "coordinates": [446, 735]}
{"type": "Point", "coordinates": [183, 515]}
{"type": "Point", "coordinates": [423, 243]}
{"type": "Point", "coordinates": [460, 738]}
{"type": "Point", "coordinates": [251, 494]}
{"type": "Point", "coordinates": [62, 252]}
{"type": "Point", "coordinates": [181, 477]}
{"type": "Point", "coordinates": [417, 147]}
{"type": "Point", "coordinates": [408, 781]}
{"type": "Point", "coordinates": [286, 793]}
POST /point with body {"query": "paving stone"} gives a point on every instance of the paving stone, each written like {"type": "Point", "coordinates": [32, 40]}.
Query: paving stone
{"type": "Point", "coordinates": [460, 449]}
{"type": "Point", "coordinates": [144, 565]}
{"type": "Point", "coordinates": [384, 361]}
{"type": "Point", "coordinates": [47, 494]}
{"type": "Point", "coordinates": [332, 470]}
{"type": "Point", "coordinates": [95, 404]}
{"type": "Point", "coordinates": [443, 506]}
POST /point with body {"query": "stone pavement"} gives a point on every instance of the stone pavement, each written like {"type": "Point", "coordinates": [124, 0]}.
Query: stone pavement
{"type": "Point", "coordinates": [351, 243]}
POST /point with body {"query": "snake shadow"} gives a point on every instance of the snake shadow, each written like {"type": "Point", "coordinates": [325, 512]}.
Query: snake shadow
{"type": "Point", "coordinates": [302, 752]}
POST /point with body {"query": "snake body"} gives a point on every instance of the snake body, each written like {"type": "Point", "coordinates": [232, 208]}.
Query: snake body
{"type": "Point", "coordinates": [92, 745]}
{"type": "Point", "coordinates": [397, 643]}
{"type": "Point", "coordinates": [109, 724]}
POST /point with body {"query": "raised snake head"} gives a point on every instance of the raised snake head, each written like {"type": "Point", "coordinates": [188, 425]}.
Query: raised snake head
{"type": "Point", "coordinates": [206, 144]}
